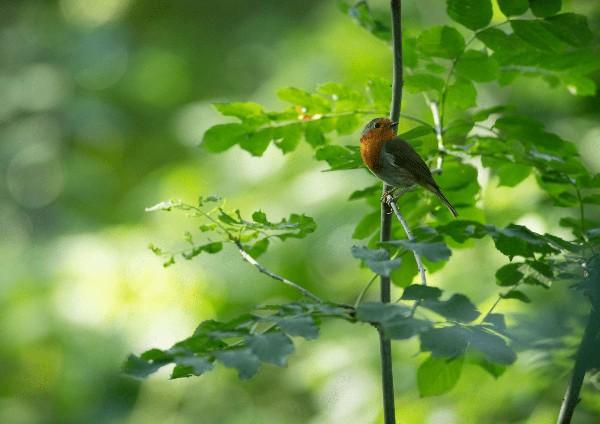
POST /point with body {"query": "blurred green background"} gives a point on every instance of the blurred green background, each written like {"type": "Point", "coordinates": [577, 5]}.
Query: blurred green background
{"type": "Point", "coordinates": [102, 109]}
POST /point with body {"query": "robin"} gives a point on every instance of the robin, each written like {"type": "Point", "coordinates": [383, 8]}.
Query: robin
{"type": "Point", "coordinates": [394, 161]}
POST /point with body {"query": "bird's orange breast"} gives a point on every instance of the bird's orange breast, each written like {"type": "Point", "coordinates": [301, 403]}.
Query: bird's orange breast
{"type": "Point", "coordinates": [370, 151]}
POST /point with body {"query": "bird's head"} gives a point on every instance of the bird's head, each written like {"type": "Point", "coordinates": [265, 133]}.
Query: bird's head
{"type": "Point", "coordinates": [379, 129]}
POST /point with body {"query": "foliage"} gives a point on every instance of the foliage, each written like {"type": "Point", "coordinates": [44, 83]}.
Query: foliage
{"type": "Point", "coordinates": [447, 69]}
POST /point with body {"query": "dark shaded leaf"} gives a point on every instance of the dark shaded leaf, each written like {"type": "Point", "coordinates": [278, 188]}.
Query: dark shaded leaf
{"type": "Point", "coordinates": [570, 28]}
{"type": "Point", "coordinates": [272, 347]}
{"type": "Point", "coordinates": [477, 66]}
{"type": "Point", "coordinates": [243, 360]}
{"type": "Point", "coordinates": [509, 275]}
{"type": "Point", "coordinates": [421, 292]}
{"type": "Point", "coordinates": [516, 294]}
{"type": "Point", "coordinates": [513, 7]}
{"type": "Point", "coordinates": [366, 226]}
{"type": "Point", "coordinates": [492, 346]}
{"type": "Point", "coordinates": [544, 8]}
{"type": "Point", "coordinates": [435, 252]}
{"type": "Point", "coordinates": [303, 326]}
{"type": "Point", "coordinates": [458, 307]}
{"type": "Point", "coordinates": [448, 342]}
{"type": "Point", "coordinates": [378, 260]}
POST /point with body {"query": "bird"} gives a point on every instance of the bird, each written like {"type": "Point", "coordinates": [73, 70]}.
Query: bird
{"type": "Point", "coordinates": [395, 162]}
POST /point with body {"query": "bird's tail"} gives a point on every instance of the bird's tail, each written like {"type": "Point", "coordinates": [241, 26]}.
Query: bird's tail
{"type": "Point", "coordinates": [436, 190]}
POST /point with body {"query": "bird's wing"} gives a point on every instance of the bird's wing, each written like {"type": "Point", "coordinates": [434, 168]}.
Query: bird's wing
{"type": "Point", "coordinates": [402, 155]}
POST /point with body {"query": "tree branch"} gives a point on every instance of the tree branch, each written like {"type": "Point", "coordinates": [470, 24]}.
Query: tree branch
{"type": "Point", "coordinates": [582, 364]}
{"type": "Point", "coordinates": [385, 346]}
{"type": "Point", "coordinates": [246, 256]}
{"type": "Point", "coordinates": [437, 125]}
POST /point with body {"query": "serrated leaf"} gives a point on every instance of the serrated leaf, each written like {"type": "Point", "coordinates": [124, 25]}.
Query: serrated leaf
{"type": "Point", "coordinates": [420, 292]}
{"type": "Point", "coordinates": [458, 307]}
{"type": "Point", "coordinates": [544, 8]}
{"type": "Point", "coordinates": [287, 137]}
{"type": "Point", "coordinates": [340, 157]}
{"type": "Point", "coordinates": [441, 41]}
{"type": "Point", "coordinates": [474, 14]}
{"type": "Point", "coordinates": [378, 260]}
{"type": "Point", "coordinates": [380, 91]}
{"type": "Point", "coordinates": [477, 66]}
{"type": "Point", "coordinates": [139, 368]}
{"type": "Point", "coordinates": [448, 342]}
{"type": "Point", "coordinates": [211, 248]}
{"type": "Point", "coordinates": [435, 251]}
{"type": "Point", "coordinates": [241, 110]}
{"type": "Point", "coordinates": [189, 365]}
{"type": "Point", "coordinates": [517, 240]}
{"type": "Point", "coordinates": [513, 7]}
{"type": "Point", "coordinates": [509, 275]}
{"type": "Point", "coordinates": [437, 376]}
{"type": "Point", "coordinates": [221, 137]}
{"type": "Point", "coordinates": [404, 328]}
{"type": "Point", "coordinates": [380, 312]}
{"type": "Point", "coordinates": [311, 102]}
{"type": "Point", "coordinates": [497, 321]}
{"type": "Point", "coordinates": [243, 360]}
{"type": "Point", "coordinates": [273, 347]}
{"type": "Point", "coordinates": [492, 346]}
{"type": "Point", "coordinates": [303, 326]}
{"type": "Point", "coordinates": [579, 85]}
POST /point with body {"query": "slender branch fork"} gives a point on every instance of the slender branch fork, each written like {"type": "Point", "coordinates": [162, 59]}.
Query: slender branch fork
{"type": "Point", "coordinates": [246, 256]}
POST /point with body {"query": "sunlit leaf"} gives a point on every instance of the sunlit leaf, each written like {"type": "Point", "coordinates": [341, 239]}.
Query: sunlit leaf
{"type": "Point", "coordinates": [437, 376]}
{"type": "Point", "coordinates": [474, 14]}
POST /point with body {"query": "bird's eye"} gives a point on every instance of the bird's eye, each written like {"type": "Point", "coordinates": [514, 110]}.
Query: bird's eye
{"type": "Point", "coordinates": [377, 125]}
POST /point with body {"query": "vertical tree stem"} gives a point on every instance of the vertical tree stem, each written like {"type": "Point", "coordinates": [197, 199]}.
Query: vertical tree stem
{"type": "Point", "coordinates": [582, 363]}
{"type": "Point", "coordinates": [387, 376]}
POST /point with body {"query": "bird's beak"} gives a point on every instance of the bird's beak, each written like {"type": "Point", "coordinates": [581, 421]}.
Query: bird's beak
{"type": "Point", "coordinates": [393, 125]}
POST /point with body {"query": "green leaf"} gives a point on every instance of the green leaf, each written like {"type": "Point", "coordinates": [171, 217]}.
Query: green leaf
{"type": "Point", "coordinates": [287, 137]}
{"type": "Point", "coordinates": [461, 94]}
{"type": "Point", "coordinates": [380, 312]}
{"type": "Point", "coordinates": [516, 240]}
{"type": "Point", "coordinates": [366, 226]}
{"type": "Point", "coordinates": [340, 157]}
{"type": "Point", "coordinates": [497, 321]}
{"type": "Point", "coordinates": [421, 292]}
{"type": "Point", "coordinates": [366, 193]}
{"type": "Point", "coordinates": [313, 103]}
{"type": "Point", "coordinates": [189, 365]}
{"type": "Point", "coordinates": [221, 137]}
{"type": "Point", "coordinates": [495, 370]}
{"type": "Point", "coordinates": [435, 252]}
{"type": "Point", "coordinates": [458, 307]}
{"type": "Point", "coordinates": [448, 342]}
{"type": "Point", "coordinates": [243, 360]}
{"type": "Point", "coordinates": [378, 260]}
{"type": "Point", "coordinates": [535, 33]}
{"type": "Point", "coordinates": [477, 66]}
{"type": "Point", "coordinates": [513, 7]}
{"type": "Point", "coordinates": [571, 28]}
{"type": "Point", "coordinates": [416, 132]}
{"type": "Point", "coordinates": [579, 85]}
{"type": "Point", "coordinates": [405, 275]}
{"type": "Point", "coordinates": [417, 83]}
{"type": "Point", "coordinates": [140, 368]}
{"type": "Point", "coordinates": [313, 134]}
{"type": "Point", "coordinates": [257, 142]}
{"type": "Point", "coordinates": [509, 275]}
{"type": "Point", "coordinates": [492, 346]}
{"type": "Point", "coordinates": [441, 41]}
{"type": "Point", "coordinates": [380, 91]}
{"type": "Point", "coordinates": [242, 110]}
{"type": "Point", "coordinates": [516, 294]}
{"type": "Point", "coordinates": [258, 248]}
{"type": "Point", "coordinates": [543, 8]}
{"type": "Point", "coordinates": [271, 347]}
{"type": "Point", "coordinates": [511, 174]}
{"type": "Point", "coordinates": [474, 14]}
{"type": "Point", "coordinates": [213, 247]}
{"type": "Point", "coordinates": [437, 376]}
{"type": "Point", "coordinates": [404, 328]}
{"type": "Point", "coordinates": [303, 326]}
{"type": "Point", "coordinates": [361, 14]}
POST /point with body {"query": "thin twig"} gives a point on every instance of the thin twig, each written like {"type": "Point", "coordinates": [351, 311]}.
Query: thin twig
{"type": "Point", "coordinates": [437, 124]}
{"type": "Point", "coordinates": [390, 201]}
{"type": "Point", "coordinates": [246, 256]}
{"type": "Point", "coordinates": [362, 293]}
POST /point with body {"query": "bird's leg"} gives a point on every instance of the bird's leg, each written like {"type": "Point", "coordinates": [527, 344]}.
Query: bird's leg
{"type": "Point", "coordinates": [388, 193]}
